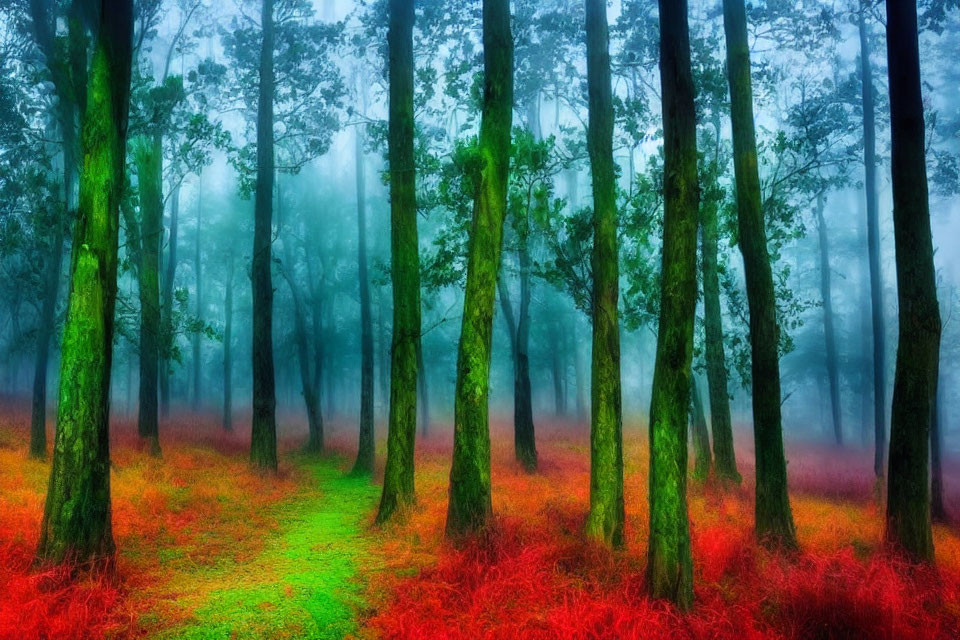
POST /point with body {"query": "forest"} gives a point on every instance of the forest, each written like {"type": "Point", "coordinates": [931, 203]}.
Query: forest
{"type": "Point", "coordinates": [479, 319]}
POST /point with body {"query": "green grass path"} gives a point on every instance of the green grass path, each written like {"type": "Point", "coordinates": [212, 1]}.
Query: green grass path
{"type": "Point", "coordinates": [303, 584]}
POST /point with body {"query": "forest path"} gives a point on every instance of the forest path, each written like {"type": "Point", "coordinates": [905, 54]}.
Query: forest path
{"type": "Point", "coordinates": [303, 584]}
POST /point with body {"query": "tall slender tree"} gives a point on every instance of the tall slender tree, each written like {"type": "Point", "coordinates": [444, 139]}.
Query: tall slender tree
{"type": "Point", "coordinates": [469, 507]}
{"type": "Point", "coordinates": [669, 565]}
{"type": "Point", "coordinates": [263, 443]}
{"type": "Point", "coordinates": [918, 350]}
{"type": "Point", "coordinates": [398, 487]}
{"type": "Point", "coordinates": [148, 156]}
{"type": "Point", "coordinates": [773, 520]}
{"type": "Point", "coordinates": [873, 245]}
{"type": "Point", "coordinates": [829, 333]}
{"type": "Point", "coordinates": [367, 446]}
{"type": "Point", "coordinates": [725, 461]}
{"type": "Point", "coordinates": [76, 522]}
{"type": "Point", "coordinates": [606, 517]}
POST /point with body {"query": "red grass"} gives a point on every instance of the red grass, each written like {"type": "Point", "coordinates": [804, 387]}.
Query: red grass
{"type": "Point", "coordinates": [533, 577]}
{"type": "Point", "coordinates": [200, 500]}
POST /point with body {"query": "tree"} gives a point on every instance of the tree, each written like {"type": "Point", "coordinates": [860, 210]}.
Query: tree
{"type": "Point", "coordinates": [67, 72]}
{"type": "Point", "coordinates": [148, 155]}
{"type": "Point", "coordinates": [398, 487]}
{"type": "Point", "coordinates": [76, 522]}
{"type": "Point", "coordinates": [773, 520]}
{"type": "Point", "coordinates": [918, 349]}
{"type": "Point", "coordinates": [873, 245]}
{"type": "Point", "coordinates": [263, 443]}
{"type": "Point", "coordinates": [669, 566]}
{"type": "Point", "coordinates": [469, 507]}
{"type": "Point", "coordinates": [605, 520]}
{"type": "Point", "coordinates": [366, 449]}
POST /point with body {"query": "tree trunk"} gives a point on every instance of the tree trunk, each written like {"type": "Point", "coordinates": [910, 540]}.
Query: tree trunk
{"type": "Point", "coordinates": [263, 443]}
{"type": "Point", "coordinates": [701, 438]}
{"type": "Point", "coordinates": [669, 566]}
{"type": "Point", "coordinates": [725, 460]}
{"type": "Point", "coordinates": [873, 248]}
{"type": "Point", "coordinates": [398, 487]}
{"type": "Point", "coordinates": [833, 373]}
{"type": "Point", "coordinates": [469, 507]}
{"type": "Point", "coordinates": [149, 160]}
{"type": "Point", "coordinates": [198, 335]}
{"type": "Point", "coordinates": [938, 511]}
{"type": "Point", "coordinates": [366, 450]}
{"type": "Point", "coordinates": [227, 420]}
{"type": "Point", "coordinates": [48, 314]}
{"type": "Point", "coordinates": [300, 338]}
{"type": "Point", "coordinates": [167, 311]}
{"type": "Point", "coordinates": [773, 519]}
{"type": "Point", "coordinates": [605, 519]}
{"type": "Point", "coordinates": [424, 391]}
{"type": "Point", "coordinates": [524, 442]}
{"type": "Point", "coordinates": [918, 350]}
{"type": "Point", "coordinates": [76, 522]}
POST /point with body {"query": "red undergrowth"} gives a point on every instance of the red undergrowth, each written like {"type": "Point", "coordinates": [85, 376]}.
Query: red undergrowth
{"type": "Point", "coordinates": [533, 577]}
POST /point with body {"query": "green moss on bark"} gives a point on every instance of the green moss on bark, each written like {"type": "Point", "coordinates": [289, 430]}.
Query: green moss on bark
{"type": "Point", "coordinates": [469, 507]}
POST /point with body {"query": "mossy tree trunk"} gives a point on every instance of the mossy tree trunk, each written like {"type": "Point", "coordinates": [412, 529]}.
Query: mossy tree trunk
{"type": "Point", "coordinates": [398, 486]}
{"type": "Point", "coordinates": [918, 350]}
{"type": "Point", "coordinates": [263, 443]}
{"type": "Point", "coordinates": [669, 566]}
{"type": "Point", "coordinates": [773, 520]}
{"type": "Point", "coordinates": [606, 516]}
{"type": "Point", "coordinates": [725, 461]}
{"type": "Point", "coordinates": [829, 334]}
{"type": "Point", "coordinates": [76, 522]}
{"type": "Point", "coordinates": [149, 160]}
{"type": "Point", "coordinates": [469, 507]}
{"type": "Point", "coordinates": [366, 449]}
{"type": "Point", "coordinates": [424, 391]}
{"type": "Point", "coordinates": [873, 247]}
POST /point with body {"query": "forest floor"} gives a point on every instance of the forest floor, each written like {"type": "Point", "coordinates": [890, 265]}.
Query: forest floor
{"type": "Point", "coordinates": [209, 549]}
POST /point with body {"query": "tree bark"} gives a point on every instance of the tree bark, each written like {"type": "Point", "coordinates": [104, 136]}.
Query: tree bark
{"type": "Point", "coordinates": [469, 507]}
{"type": "Point", "coordinates": [873, 249]}
{"type": "Point", "coordinates": [938, 510]}
{"type": "Point", "coordinates": [423, 390]}
{"type": "Point", "coordinates": [263, 443]}
{"type": "Point", "coordinates": [773, 522]}
{"type": "Point", "coordinates": [918, 350]}
{"type": "Point", "coordinates": [398, 484]}
{"type": "Point", "coordinates": [605, 519]}
{"type": "Point", "coordinates": [76, 524]}
{"type": "Point", "coordinates": [725, 461]}
{"type": "Point", "coordinates": [149, 160]}
{"type": "Point", "coordinates": [669, 566]}
{"type": "Point", "coordinates": [524, 441]}
{"type": "Point", "coordinates": [366, 450]}
{"type": "Point", "coordinates": [826, 294]}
